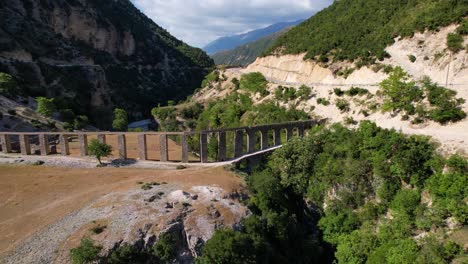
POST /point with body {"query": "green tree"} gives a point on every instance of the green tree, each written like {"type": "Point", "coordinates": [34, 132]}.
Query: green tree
{"type": "Point", "coordinates": [455, 42]}
{"type": "Point", "coordinates": [99, 150]}
{"type": "Point", "coordinates": [399, 92]}
{"type": "Point", "coordinates": [8, 85]}
{"type": "Point", "coordinates": [45, 106]}
{"type": "Point", "coordinates": [85, 253]}
{"type": "Point", "coordinates": [165, 249]}
{"type": "Point", "coordinates": [120, 122]}
{"type": "Point", "coordinates": [80, 122]}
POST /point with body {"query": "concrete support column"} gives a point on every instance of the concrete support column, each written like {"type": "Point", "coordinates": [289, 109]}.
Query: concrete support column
{"type": "Point", "coordinates": [204, 148]}
{"type": "Point", "coordinates": [64, 147]}
{"type": "Point", "coordinates": [142, 149]}
{"type": "Point", "coordinates": [264, 138]}
{"type": "Point", "coordinates": [83, 144]}
{"type": "Point", "coordinates": [25, 146]}
{"type": "Point", "coordinates": [238, 143]}
{"type": "Point", "coordinates": [101, 138]}
{"type": "Point", "coordinates": [300, 130]}
{"type": "Point", "coordinates": [163, 149]}
{"type": "Point", "coordinates": [289, 133]}
{"type": "Point", "coordinates": [277, 136]}
{"type": "Point", "coordinates": [122, 140]}
{"type": "Point", "coordinates": [221, 146]}
{"type": "Point", "coordinates": [185, 149]}
{"type": "Point", "coordinates": [251, 140]}
{"type": "Point", "coordinates": [6, 143]}
{"type": "Point", "coordinates": [44, 144]}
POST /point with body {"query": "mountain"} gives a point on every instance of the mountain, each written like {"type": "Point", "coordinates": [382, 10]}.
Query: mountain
{"type": "Point", "coordinates": [361, 29]}
{"type": "Point", "coordinates": [247, 53]}
{"type": "Point", "coordinates": [227, 43]}
{"type": "Point", "coordinates": [92, 56]}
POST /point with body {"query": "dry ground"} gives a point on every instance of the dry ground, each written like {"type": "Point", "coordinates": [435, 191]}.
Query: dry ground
{"type": "Point", "coordinates": [32, 198]}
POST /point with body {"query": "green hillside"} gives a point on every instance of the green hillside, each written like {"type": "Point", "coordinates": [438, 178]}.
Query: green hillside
{"type": "Point", "coordinates": [246, 54]}
{"type": "Point", "coordinates": [361, 29]}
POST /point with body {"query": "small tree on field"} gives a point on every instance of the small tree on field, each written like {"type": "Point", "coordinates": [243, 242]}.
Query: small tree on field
{"type": "Point", "coordinates": [99, 149]}
{"type": "Point", "coordinates": [120, 122]}
{"type": "Point", "coordinates": [45, 106]}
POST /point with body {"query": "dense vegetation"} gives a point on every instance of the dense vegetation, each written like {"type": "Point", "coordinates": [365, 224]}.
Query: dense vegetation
{"type": "Point", "coordinates": [404, 95]}
{"type": "Point", "coordinates": [120, 122]}
{"type": "Point", "coordinates": [355, 196]}
{"type": "Point", "coordinates": [369, 27]}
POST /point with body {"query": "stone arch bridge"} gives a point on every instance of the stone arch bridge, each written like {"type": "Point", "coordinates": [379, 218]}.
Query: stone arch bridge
{"type": "Point", "coordinates": [210, 146]}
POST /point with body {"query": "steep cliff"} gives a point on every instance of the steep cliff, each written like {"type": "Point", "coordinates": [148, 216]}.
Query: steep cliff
{"type": "Point", "coordinates": [96, 55]}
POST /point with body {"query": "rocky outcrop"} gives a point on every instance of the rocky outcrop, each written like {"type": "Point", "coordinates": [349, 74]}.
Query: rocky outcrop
{"type": "Point", "coordinates": [96, 55]}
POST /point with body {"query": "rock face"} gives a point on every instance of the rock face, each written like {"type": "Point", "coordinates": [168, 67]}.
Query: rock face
{"type": "Point", "coordinates": [96, 55]}
{"type": "Point", "coordinates": [138, 217]}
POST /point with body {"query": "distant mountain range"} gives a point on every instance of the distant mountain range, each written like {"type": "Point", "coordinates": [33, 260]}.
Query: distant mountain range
{"type": "Point", "coordinates": [247, 53]}
{"type": "Point", "coordinates": [231, 42]}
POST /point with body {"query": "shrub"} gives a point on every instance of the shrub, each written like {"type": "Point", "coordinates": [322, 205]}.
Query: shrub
{"type": "Point", "coordinates": [445, 106]}
{"type": "Point", "coordinates": [356, 91]}
{"type": "Point", "coordinates": [343, 105]}
{"type": "Point", "coordinates": [412, 58]}
{"type": "Point", "coordinates": [254, 82]}
{"type": "Point", "coordinates": [164, 249]}
{"type": "Point", "coordinates": [455, 42]}
{"type": "Point", "coordinates": [236, 83]}
{"type": "Point", "coordinates": [67, 115]}
{"type": "Point", "coordinates": [8, 85]}
{"type": "Point", "coordinates": [85, 253]}
{"type": "Point", "coordinates": [338, 92]}
{"type": "Point", "coordinates": [80, 122]}
{"type": "Point", "coordinates": [120, 122]}
{"type": "Point", "coordinates": [323, 101]}
{"type": "Point", "coordinates": [304, 92]}
{"type": "Point", "coordinates": [45, 106]}
{"type": "Point", "coordinates": [99, 150]}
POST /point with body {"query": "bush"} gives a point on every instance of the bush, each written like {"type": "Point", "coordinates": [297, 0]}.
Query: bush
{"type": "Point", "coordinates": [356, 91]}
{"type": "Point", "coordinates": [164, 249]}
{"type": "Point", "coordinates": [120, 122]}
{"type": "Point", "coordinates": [99, 150]}
{"type": "Point", "coordinates": [445, 106]}
{"type": "Point", "coordinates": [230, 247]}
{"type": "Point", "coordinates": [323, 101]}
{"type": "Point", "coordinates": [67, 115]}
{"type": "Point", "coordinates": [455, 42]}
{"type": "Point", "coordinates": [412, 58]}
{"type": "Point", "coordinates": [80, 122]}
{"type": "Point", "coordinates": [338, 92]}
{"type": "Point", "coordinates": [8, 85]}
{"type": "Point", "coordinates": [45, 106]}
{"type": "Point", "coordinates": [254, 82]}
{"type": "Point", "coordinates": [304, 92]}
{"type": "Point", "coordinates": [85, 253]}
{"type": "Point", "coordinates": [343, 105]}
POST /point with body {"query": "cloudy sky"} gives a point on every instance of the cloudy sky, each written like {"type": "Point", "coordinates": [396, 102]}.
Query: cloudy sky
{"type": "Point", "coordinates": [198, 22]}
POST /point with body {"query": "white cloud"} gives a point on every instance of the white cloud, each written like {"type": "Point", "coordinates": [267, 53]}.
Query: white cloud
{"type": "Point", "coordinates": [198, 22]}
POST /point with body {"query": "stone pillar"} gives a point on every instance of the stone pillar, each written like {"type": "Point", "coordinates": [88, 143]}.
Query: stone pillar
{"type": "Point", "coordinates": [64, 147]}
{"type": "Point", "coordinates": [277, 136]}
{"type": "Point", "coordinates": [264, 138]}
{"type": "Point", "coordinates": [6, 143]}
{"type": "Point", "coordinates": [238, 143]}
{"type": "Point", "coordinates": [101, 138]}
{"type": "Point", "coordinates": [83, 144]}
{"type": "Point", "coordinates": [25, 146]}
{"type": "Point", "coordinates": [185, 149]}
{"type": "Point", "coordinates": [221, 146]}
{"type": "Point", "coordinates": [44, 144]}
{"type": "Point", "coordinates": [122, 140]}
{"type": "Point", "coordinates": [251, 139]}
{"type": "Point", "coordinates": [142, 149]}
{"type": "Point", "coordinates": [300, 130]}
{"type": "Point", "coordinates": [164, 154]}
{"type": "Point", "coordinates": [203, 147]}
{"type": "Point", "coordinates": [289, 132]}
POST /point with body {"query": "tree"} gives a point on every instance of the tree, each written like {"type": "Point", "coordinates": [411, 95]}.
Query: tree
{"type": "Point", "coordinates": [45, 106]}
{"type": "Point", "coordinates": [399, 92]}
{"type": "Point", "coordinates": [120, 122]}
{"type": "Point", "coordinates": [80, 122]}
{"type": "Point", "coordinates": [165, 249]}
{"type": "Point", "coordinates": [86, 252]}
{"type": "Point", "coordinates": [99, 149]}
{"type": "Point", "coordinates": [8, 85]}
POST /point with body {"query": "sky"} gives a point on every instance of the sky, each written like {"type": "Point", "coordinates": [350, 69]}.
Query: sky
{"type": "Point", "coordinates": [198, 22]}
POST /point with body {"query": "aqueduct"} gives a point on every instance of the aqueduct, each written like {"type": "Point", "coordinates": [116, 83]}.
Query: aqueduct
{"type": "Point", "coordinates": [233, 141]}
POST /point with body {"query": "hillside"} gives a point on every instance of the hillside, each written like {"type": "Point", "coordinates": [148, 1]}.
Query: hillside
{"type": "Point", "coordinates": [247, 53]}
{"type": "Point", "coordinates": [231, 42]}
{"type": "Point", "coordinates": [370, 27]}
{"type": "Point", "coordinates": [93, 56]}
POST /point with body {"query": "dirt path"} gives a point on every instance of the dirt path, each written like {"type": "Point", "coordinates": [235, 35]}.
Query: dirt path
{"type": "Point", "coordinates": [32, 197]}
